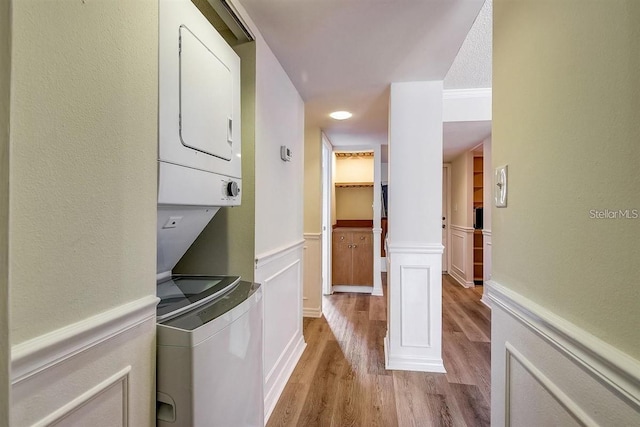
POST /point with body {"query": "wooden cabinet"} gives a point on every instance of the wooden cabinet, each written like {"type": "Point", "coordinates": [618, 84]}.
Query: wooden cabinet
{"type": "Point", "coordinates": [352, 262]}
{"type": "Point", "coordinates": [477, 234]}
{"type": "Point", "coordinates": [477, 256]}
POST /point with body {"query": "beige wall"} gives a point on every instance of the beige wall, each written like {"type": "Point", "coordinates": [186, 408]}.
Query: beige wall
{"type": "Point", "coordinates": [83, 160]}
{"type": "Point", "coordinates": [227, 244]}
{"type": "Point", "coordinates": [334, 162]}
{"type": "Point", "coordinates": [354, 169]}
{"type": "Point", "coordinates": [461, 190]}
{"type": "Point", "coordinates": [565, 120]}
{"type": "Point", "coordinates": [312, 180]}
{"type": "Point", "coordinates": [5, 79]}
{"type": "Point", "coordinates": [354, 203]}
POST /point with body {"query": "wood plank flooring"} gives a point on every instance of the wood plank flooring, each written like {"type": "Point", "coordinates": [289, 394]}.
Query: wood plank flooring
{"type": "Point", "coordinates": [341, 380]}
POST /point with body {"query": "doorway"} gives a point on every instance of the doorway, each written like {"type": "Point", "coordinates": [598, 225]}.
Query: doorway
{"type": "Point", "coordinates": [327, 220]}
{"type": "Point", "coordinates": [331, 185]}
{"type": "Point", "coordinates": [446, 178]}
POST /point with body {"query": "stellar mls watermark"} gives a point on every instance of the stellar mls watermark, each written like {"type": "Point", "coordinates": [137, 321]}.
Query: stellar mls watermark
{"type": "Point", "coordinates": [614, 214]}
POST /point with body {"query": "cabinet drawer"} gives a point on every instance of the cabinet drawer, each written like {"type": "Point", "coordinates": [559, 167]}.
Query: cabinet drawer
{"type": "Point", "coordinates": [341, 237]}
{"type": "Point", "coordinates": [361, 238]}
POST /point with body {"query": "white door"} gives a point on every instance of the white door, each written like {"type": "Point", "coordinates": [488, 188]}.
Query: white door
{"type": "Point", "coordinates": [445, 218]}
{"type": "Point", "coordinates": [326, 217]}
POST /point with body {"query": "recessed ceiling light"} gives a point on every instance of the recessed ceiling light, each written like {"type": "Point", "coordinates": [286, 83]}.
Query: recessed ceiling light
{"type": "Point", "coordinates": [340, 115]}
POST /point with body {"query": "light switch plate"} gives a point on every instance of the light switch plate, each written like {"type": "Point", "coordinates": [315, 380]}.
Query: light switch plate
{"type": "Point", "coordinates": [500, 187]}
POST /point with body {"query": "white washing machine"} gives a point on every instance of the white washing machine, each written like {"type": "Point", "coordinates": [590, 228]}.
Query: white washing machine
{"type": "Point", "coordinates": [209, 353]}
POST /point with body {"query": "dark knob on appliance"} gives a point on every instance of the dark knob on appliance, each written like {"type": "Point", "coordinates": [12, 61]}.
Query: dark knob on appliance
{"type": "Point", "coordinates": [232, 189]}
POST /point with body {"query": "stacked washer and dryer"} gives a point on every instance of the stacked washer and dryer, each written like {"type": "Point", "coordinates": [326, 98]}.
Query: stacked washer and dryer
{"type": "Point", "coordinates": [209, 342]}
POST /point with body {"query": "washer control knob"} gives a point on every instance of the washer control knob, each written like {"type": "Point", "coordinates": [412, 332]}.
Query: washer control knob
{"type": "Point", "coordinates": [232, 189]}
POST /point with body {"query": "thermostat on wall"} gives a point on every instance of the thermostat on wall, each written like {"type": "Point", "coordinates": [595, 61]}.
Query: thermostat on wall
{"type": "Point", "coordinates": [285, 153]}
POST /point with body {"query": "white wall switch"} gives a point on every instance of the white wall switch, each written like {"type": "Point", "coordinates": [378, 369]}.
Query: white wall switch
{"type": "Point", "coordinates": [500, 187]}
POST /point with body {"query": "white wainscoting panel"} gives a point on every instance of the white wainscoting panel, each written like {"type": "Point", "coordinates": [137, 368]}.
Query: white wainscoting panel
{"type": "Point", "coordinates": [462, 255]}
{"type": "Point", "coordinates": [548, 371]}
{"type": "Point", "coordinates": [96, 405]}
{"type": "Point", "coordinates": [486, 264]}
{"type": "Point", "coordinates": [414, 335]}
{"type": "Point", "coordinates": [98, 372]}
{"type": "Point", "coordinates": [312, 289]}
{"type": "Point", "coordinates": [281, 279]}
{"type": "Point", "coordinates": [415, 291]}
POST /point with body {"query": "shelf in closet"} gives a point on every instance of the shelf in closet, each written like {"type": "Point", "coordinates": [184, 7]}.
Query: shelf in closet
{"type": "Point", "coordinates": [354, 184]}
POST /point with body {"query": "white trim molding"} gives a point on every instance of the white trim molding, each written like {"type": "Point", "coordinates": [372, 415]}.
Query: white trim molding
{"type": "Point", "coordinates": [281, 278]}
{"type": "Point", "coordinates": [467, 93]}
{"type": "Point", "coordinates": [312, 275]}
{"type": "Point", "coordinates": [99, 370]}
{"type": "Point", "coordinates": [487, 258]}
{"type": "Point", "coordinates": [267, 257]}
{"type": "Point", "coordinates": [312, 236]}
{"type": "Point", "coordinates": [569, 405]}
{"type": "Point", "coordinates": [118, 382]}
{"type": "Point", "coordinates": [414, 336]}
{"type": "Point", "coordinates": [461, 261]}
{"type": "Point", "coordinates": [312, 312]}
{"type": "Point", "coordinates": [354, 289]}
{"type": "Point", "coordinates": [415, 248]}
{"type": "Point", "coordinates": [33, 356]}
{"type": "Point", "coordinates": [466, 105]}
{"type": "Point", "coordinates": [556, 367]}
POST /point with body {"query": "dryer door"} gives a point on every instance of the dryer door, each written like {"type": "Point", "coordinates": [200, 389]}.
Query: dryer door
{"type": "Point", "coordinates": [206, 104]}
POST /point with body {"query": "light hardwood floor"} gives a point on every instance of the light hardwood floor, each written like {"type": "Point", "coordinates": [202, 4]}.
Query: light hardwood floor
{"type": "Point", "coordinates": [341, 380]}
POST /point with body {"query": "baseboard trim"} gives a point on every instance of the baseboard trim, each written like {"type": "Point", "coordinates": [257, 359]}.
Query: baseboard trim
{"type": "Point", "coordinates": [287, 366]}
{"type": "Point", "coordinates": [312, 312]}
{"type": "Point", "coordinates": [411, 363]}
{"type": "Point", "coordinates": [460, 280]}
{"type": "Point", "coordinates": [353, 289]}
{"type": "Point", "coordinates": [485, 300]}
{"type": "Point", "coordinates": [612, 368]}
{"type": "Point", "coordinates": [35, 355]}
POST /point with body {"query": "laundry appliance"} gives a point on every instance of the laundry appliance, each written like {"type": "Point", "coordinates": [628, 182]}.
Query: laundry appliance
{"type": "Point", "coordinates": [209, 341]}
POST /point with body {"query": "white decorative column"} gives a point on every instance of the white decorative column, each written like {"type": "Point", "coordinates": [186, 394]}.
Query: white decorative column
{"type": "Point", "coordinates": [414, 330]}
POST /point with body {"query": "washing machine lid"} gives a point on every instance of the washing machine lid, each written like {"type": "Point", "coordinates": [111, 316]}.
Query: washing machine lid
{"type": "Point", "coordinates": [181, 293]}
{"type": "Point", "coordinates": [238, 298]}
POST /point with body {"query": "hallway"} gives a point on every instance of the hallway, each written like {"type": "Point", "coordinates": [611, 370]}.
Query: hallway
{"type": "Point", "coordinates": [341, 380]}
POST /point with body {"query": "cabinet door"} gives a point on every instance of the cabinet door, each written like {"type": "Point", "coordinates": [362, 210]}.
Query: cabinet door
{"type": "Point", "coordinates": [362, 250]}
{"type": "Point", "coordinates": [341, 258]}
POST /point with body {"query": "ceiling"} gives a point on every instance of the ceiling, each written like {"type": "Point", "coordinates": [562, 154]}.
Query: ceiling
{"type": "Point", "coordinates": [343, 54]}
{"type": "Point", "coordinates": [462, 136]}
